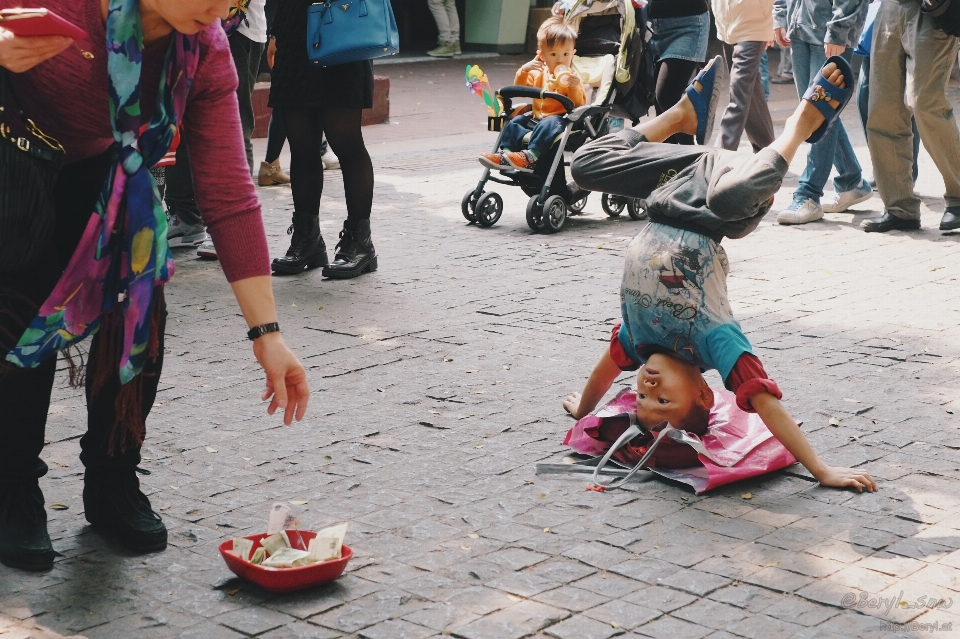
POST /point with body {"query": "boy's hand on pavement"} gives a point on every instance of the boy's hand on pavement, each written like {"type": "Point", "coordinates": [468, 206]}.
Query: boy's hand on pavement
{"type": "Point", "coordinates": [844, 477]}
{"type": "Point", "coordinates": [572, 405]}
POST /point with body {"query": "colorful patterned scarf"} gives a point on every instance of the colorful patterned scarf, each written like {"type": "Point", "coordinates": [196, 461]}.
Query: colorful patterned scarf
{"type": "Point", "coordinates": [123, 254]}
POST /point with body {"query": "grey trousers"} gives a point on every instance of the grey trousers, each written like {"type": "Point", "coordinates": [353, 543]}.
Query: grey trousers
{"type": "Point", "coordinates": [718, 192]}
{"type": "Point", "coordinates": [910, 58]}
{"type": "Point", "coordinates": [748, 109]}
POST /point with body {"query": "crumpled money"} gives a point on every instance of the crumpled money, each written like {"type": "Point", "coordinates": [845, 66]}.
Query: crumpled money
{"type": "Point", "coordinates": [276, 550]}
{"type": "Point", "coordinates": [328, 543]}
{"type": "Point", "coordinates": [287, 558]}
{"type": "Point", "coordinates": [242, 547]}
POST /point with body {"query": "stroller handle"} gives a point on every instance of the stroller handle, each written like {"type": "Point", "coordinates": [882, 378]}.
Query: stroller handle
{"type": "Point", "coordinates": [538, 94]}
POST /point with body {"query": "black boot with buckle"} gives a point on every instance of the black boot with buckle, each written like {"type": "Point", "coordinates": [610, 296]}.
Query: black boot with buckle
{"type": "Point", "coordinates": [114, 504]}
{"type": "Point", "coordinates": [355, 253]}
{"type": "Point", "coordinates": [24, 541]}
{"type": "Point", "coordinates": [307, 248]}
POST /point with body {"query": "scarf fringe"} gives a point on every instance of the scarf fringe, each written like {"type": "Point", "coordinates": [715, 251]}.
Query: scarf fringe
{"type": "Point", "coordinates": [103, 362]}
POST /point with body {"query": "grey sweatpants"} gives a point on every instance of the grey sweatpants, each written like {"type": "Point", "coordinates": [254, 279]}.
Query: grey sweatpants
{"type": "Point", "coordinates": [748, 111]}
{"type": "Point", "coordinates": [724, 192]}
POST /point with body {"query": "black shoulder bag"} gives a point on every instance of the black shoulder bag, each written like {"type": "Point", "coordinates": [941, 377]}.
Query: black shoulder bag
{"type": "Point", "coordinates": [29, 164]}
{"type": "Point", "coordinates": [945, 14]}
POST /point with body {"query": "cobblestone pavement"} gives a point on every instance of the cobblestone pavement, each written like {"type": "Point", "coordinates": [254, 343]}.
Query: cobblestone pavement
{"type": "Point", "coordinates": [436, 386]}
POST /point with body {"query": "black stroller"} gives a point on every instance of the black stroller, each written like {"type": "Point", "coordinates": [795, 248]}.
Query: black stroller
{"type": "Point", "coordinates": [608, 29]}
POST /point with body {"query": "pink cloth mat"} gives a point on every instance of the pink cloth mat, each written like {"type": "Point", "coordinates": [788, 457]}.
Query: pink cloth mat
{"type": "Point", "coordinates": [737, 445]}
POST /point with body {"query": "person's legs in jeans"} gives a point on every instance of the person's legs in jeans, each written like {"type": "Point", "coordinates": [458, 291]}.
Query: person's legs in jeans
{"type": "Point", "coordinates": [807, 60]}
{"type": "Point", "coordinates": [246, 57]}
{"type": "Point", "coordinates": [673, 76]}
{"type": "Point", "coordinates": [544, 133]}
{"type": "Point", "coordinates": [748, 108]}
{"type": "Point", "coordinates": [513, 131]}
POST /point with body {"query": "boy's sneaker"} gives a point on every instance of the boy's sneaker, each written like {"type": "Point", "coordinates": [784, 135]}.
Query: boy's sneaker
{"type": "Point", "coordinates": [207, 250]}
{"type": "Point", "coordinates": [843, 201]}
{"type": "Point", "coordinates": [443, 50]}
{"type": "Point", "coordinates": [180, 234]}
{"type": "Point", "coordinates": [495, 161]}
{"type": "Point", "coordinates": [523, 161]}
{"type": "Point", "coordinates": [800, 211]}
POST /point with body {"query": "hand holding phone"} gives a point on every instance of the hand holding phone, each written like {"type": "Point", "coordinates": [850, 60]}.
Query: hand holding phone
{"type": "Point", "coordinates": [31, 36]}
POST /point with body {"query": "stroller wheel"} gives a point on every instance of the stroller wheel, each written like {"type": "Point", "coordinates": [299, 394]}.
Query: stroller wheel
{"type": "Point", "coordinates": [535, 215]}
{"type": "Point", "coordinates": [468, 206]}
{"type": "Point", "coordinates": [489, 209]}
{"type": "Point", "coordinates": [578, 205]}
{"type": "Point", "coordinates": [554, 214]}
{"type": "Point", "coordinates": [612, 204]}
{"type": "Point", "coordinates": [637, 209]}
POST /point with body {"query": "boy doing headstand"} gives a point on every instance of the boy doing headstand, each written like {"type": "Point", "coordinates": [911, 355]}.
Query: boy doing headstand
{"type": "Point", "coordinates": [677, 320]}
{"type": "Point", "coordinates": [551, 71]}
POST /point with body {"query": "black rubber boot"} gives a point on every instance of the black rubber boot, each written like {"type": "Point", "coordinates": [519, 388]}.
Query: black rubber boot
{"type": "Point", "coordinates": [115, 505]}
{"type": "Point", "coordinates": [355, 253]}
{"type": "Point", "coordinates": [24, 541]}
{"type": "Point", "coordinates": [307, 249]}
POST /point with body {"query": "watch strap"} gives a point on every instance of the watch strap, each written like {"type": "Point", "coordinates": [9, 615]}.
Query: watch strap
{"type": "Point", "coordinates": [263, 329]}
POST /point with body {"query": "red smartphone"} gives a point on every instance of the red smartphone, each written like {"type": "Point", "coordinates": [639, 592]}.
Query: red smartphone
{"type": "Point", "coordinates": [39, 22]}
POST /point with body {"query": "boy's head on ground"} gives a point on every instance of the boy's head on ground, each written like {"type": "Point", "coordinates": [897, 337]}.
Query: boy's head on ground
{"type": "Point", "coordinates": [556, 42]}
{"type": "Point", "coordinates": [673, 390]}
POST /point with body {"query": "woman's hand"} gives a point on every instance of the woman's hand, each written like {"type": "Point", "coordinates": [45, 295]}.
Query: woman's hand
{"type": "Point", "coordinates": [286, 379]}
{"type": "Point", "coordinates": [271, 51]}
{"type": "Point", "coordinates": [780, 35]}
{"type": "Point", "coordinates": [846, 477]}
{"type": "Point", "coordinates": [19, 54]}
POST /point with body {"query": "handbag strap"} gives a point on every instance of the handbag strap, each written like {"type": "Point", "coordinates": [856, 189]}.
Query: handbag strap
{"type": "Point", "coordinates": [50, 150]}
{"type": "Point", "coordinates": [627, 435]}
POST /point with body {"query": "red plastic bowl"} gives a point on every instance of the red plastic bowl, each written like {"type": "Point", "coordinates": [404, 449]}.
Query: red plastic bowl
{"type": "Point", "coordinates": [286, 579]}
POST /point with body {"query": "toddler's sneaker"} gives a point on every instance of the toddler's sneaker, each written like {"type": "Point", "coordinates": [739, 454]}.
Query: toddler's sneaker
{"type": "Point", "coordinates": [800, 211]}
{"type": "Point", "coordinates": [495, 161]}
{"type": "Point", "coordinates": [843, 201]}
{"type": "Point", "coordinates": [330, 160]}
{"type": "Point", "coordinates": [523, 161]}
{"type": "Point", "coordinates": [207, 250]}
{"type": "Point", "coordinates": [180, 234]}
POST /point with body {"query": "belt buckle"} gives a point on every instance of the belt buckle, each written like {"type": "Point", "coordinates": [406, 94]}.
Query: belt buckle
{"type": "Point", "coordinates": [23, 144]}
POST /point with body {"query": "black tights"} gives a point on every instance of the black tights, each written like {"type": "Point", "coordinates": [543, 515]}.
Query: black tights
{"type": "Point", "coordinates": [305, 130]}
{"type": "Point", "coordinates": [673, 76]}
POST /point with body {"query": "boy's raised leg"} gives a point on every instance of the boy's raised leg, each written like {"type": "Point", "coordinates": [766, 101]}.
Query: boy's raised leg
{"type": "Point", "coordinates": [806, 118]}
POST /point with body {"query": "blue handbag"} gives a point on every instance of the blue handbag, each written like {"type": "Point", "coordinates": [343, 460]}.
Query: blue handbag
{"type": "Point", "coordinates": [345, 31]}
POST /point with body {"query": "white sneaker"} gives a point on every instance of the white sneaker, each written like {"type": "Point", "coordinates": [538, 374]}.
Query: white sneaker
{"type": "Point", "coordinates": [207, 250]}
{"type": "Point", "coordinates": [330, 160]}
{"type": "Point", "coordinates": [843, 201]}
{"type": "Point", "coordinates": [800, 211]}
{"type": "Point", "coordinates": [180, 234]}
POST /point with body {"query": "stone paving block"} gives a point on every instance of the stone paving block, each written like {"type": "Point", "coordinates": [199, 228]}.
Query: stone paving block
{"type": "Point", "coordinates": [860, 578]}
{"type": "Point", "coordinates": [748, 597]}
{"type": "Point", "coordinates": [431, 586]}
{"type": "Point", "coordinates": [516, 558]}
{"type": "Point", "coordinates": [709, 613]}
{"type": "Point", "coordinates": [660, 598]}
{"type": "Point", "coordinates": [310, 602]}
{"type": "Point", "coordinates": [396, 629]}
{"type": "Point", "coordinates": [253, 621]}
{"type": "Point", "coordinates": [209, 631]}
{"type": "Point", "coordinates": [727, 567]}
{"type": "Point", "coordinates": [671, 628]}
{"type": "Point", "coordinates": [478, 600]}
{"type": "Point", "coordinates": [598, 555]}
{"type": "Point", "coordinates": [645, 569]}
{"type": "Point", "coordinates": [608, 584]}
{"type": "Point", "coordinates": [301, 630]}
{"type": "Point", "coordinates": [763, 627]}
{"type": "Point", "coordinates": [580, 627]}
{"type": "Point", "coordinates": [694, 582]}
{"type": "Point", "coordinates": [367, 611]}
{"type": "Point", "coordinates": [563, 571]}
{"type": "Point", "coordinates": [441, 617]}
{"type": "Point", "coordinates": [623, 613]}
{"type": "Point", "coordinates": [800, 611]}
{"type": "Point", "coordinates": [571, 598]}
{"type": "Point", "coordinates": [525, 583]}
{"type": "Point", "coordinates": [514, 622]}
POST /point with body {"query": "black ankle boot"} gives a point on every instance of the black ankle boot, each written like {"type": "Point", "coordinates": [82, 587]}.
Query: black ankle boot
{"type": "Point", "coordinates": [307, 249]}
{"type": "Point", "coordinates": [114, 504]}
{"type": "Point", "coordinates": [24, 541]}
{"type": "Point", "coordinates": [355, 253]}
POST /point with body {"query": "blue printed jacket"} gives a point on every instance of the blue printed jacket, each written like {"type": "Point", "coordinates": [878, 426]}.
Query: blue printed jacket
{"type": "Point", "coordinates": [821, 21]}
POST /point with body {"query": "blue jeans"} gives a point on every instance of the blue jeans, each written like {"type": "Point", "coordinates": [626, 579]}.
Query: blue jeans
{"type": "Point", "coordinates": [833, 149]}
{"type": "Point", "coordinates": [863, 104]}
{"type": "Point", "coordinates": [543, 134]}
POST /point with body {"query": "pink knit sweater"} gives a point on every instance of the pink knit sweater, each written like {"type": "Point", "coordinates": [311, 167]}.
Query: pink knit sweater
{"type": "Point", "coordinates": [67, 96]}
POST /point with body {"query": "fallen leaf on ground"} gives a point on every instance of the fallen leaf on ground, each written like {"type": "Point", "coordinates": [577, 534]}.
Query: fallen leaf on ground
{"type": "Point", "coordinates": [464, 547]}
{"type": "Point", "coordinates": [614, 624]}
{"type": "Point", "coordinates": [834, 421]}
{"type": "Point", "coordinates": [771, 564]}
{"type": "Point", "coordinates": [514, 598]}
{"type": "Point", "coordinates": [247, 458]}
{"type": "Point", "coordinates": [327, 457]}
{"type": "Point", "coordinates": [464, 416]}
{"type": "Point", "coordinates": [479, 446]}
{"type": "Point", "coordinates": [211, 449]}
{"type": "Point", "coordinates": [746, 496]}
{"type": "Point", "coordinates": [473, 536]}
{"type": "Point", "coordinates": [299, 502]}
{"type": "Point", "coordinates": [201, 308]}
{"type": "Point", "coordinates": [233, 592]}
{"type": "Point", "coordinates": [164, 507]}
{"type": "Point", "coordinates": [685, 498]}
{"type": "Point", "coordinates": [528, 481]}
{"type": "Point", "coordinates": [58, 507]}
{"type": "Point", "coordinates": [851, 400]}
{"type": "Point", "coordinates": [543, 495]}
{"type": "Point", "coordinates": [448, 359]}
{"type": "Point", "coordinates": [546, 530]}
{"type": "Point", "coordinates": [175, 487]}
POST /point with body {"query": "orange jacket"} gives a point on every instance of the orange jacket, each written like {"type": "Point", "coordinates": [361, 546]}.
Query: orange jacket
{"type": "Point", "coordinates": [541, 79]}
